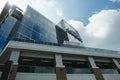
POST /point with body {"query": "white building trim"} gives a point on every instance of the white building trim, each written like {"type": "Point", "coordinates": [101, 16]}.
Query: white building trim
{"type": "Point", "coordinates": [92, 62]}
{"type": "Point", "coordinates": [61, 49]}
{"type": "Point", "coordinates": [58, 59]}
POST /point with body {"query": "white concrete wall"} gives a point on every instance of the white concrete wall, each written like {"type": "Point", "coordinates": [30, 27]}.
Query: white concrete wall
{"type": "Point", "coordinates": [38, 76]}
{"type": "Point", "coordinates": [35, 76]}
{"type": "Point", "coordinates": [81, 77]}
{"type": "Point", "coordinates": [63, 50]}
{"type": "Point", "coordinates": [111, 76]}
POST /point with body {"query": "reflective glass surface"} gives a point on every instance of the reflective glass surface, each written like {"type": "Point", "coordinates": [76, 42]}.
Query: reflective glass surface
{"type": "Point", "coordinates": [5, 30]}
{"type": "Point", "coordinates": [71, 32]}
{"type": "Point", "coordinates": [36, 27]}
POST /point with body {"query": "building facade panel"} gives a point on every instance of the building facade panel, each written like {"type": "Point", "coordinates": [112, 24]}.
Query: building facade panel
{"type": "Point", "coordinates": [111, 76]}
{"type": "Point", "coordinates": [35, 76]}
{"type": "Point", "coordinates": [81, 77]}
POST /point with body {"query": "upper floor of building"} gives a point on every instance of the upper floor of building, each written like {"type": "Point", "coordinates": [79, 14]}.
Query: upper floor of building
{"type": "Point", "coordinates": [33, 26]}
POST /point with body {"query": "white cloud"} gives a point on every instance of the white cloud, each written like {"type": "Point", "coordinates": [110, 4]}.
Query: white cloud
{"type": "Point", "coordinates": [75, 24]}
{"type": "Point", "coordinates": [102, 30]}
{"type": "Point", "coordinates": [59, 12]}
{"type": "Point", "coordinates": [115, 0]}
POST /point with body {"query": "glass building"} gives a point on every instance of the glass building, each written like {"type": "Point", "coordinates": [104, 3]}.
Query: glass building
{"type": "Point", "coordinates": [32, 26]}
{"type": "Point", "coordinates": [5, 30]}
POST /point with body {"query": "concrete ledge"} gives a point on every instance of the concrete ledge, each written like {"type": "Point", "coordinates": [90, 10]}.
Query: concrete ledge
{"type": "Point", "coordinates": [59, 49]}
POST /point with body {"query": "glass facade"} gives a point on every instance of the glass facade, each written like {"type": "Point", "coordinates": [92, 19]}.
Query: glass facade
{"type": "Point", "coordinates": [32, 26]}
{"type": "Point", "coordinates": [36, 27]}
{"type": "Point", "coordinates": [5, 30]}
{"type": "Point", "coordinates": [70, 34]}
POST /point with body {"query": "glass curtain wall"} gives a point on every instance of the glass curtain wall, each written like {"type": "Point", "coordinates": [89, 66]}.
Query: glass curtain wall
{"type": "Point", "coordinates": [5, 30]}
{"type": "Point", "coordinates": [36, 27]}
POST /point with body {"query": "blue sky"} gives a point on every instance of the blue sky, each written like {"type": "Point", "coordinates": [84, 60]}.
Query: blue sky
{"type": "Point", "coordinates": [82, 9]}
{"type": "Point", "coordinates": [97, 21]}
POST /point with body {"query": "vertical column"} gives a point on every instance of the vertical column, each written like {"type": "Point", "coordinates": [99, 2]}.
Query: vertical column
{"type": "Point", "coordinates": [14, 58]}
{"type": "Point", "coordinates": [95, 70]}
{"type": "Point", "coordinates": [117, 65]}
{"type": "Point", "coordinates": [60, 69]}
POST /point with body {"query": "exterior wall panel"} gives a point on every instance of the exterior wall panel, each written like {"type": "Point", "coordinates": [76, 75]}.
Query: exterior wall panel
{"type": "Point", "coordinates": [35, 76]}
{"type": "Point", "coordinates": [81, 77]}
{"type": "Point", "coordinates": [111, 76]}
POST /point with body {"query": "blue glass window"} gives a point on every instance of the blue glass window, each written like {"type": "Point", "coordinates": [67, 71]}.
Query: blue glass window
{"type": "Point", "coordinates": [5, 30]}
{"type": "Point", "coordinates": [37, 27]}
